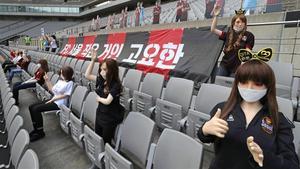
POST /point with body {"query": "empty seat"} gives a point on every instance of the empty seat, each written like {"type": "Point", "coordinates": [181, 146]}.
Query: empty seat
{"type": "Point", "coordinates": [89, 108]}
{"type": "Point", "coordinates": [77, 70]}
{"type": "Point", "coordinates": [83, 80]}
{"type": "Point", "coordinates": [114, 160]}
{"type": "Point", "coordinates": [56, 63]}
{"type": "Point", "coordinates": [286, 107]}
{"type": "Point", "coordinates": [208, 96]}
{"type": "Point", "coordinates": [94, 144]}
{"type": "Point", "coordinates": [68, 62]}
{"type": "Point", "coordinates": [5, 101]}
{"type": "Point", "coordinates": [16, 125]}
{"type": "Point", "coordinates": [175, 150]}
{"type": "Point", "coordinates": [151, 89]}
{"type": "Point", "coordinates": [61, 63]}
{"type": "Point", "coordinates": [284, 78]}
{"type": "Point", "coordinates": [12, 113]}
{"type": "Point", "coordinates": [122, 72]}
{"type": "Point", "coordinates": [52, 64]}
{"type": "Point", "coordinates": [131, 83]}
{"type": "Point", "coordinates": [175, 103]}
{"type": "Point", "coordinates": [75, 106]}
{"type": "Point", "coordinates": [18, 147]}
{"type": "Point", "coordinates": [29, 160]}
{"type": "Point", "coordinates": [136, 135]}
{"type": "Point", "coordinates": [73, 62]}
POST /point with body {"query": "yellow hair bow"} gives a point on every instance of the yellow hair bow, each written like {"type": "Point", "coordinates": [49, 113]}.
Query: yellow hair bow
{"type": "Point", "coordinates": [263, 55]}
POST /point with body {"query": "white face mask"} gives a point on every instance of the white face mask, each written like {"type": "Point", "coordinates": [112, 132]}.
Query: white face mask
{"type": "Point", "coordinates": [252, 95]}
{"type": "Point", "coordinates": [103, 74]}
{"type": "Point", "coordinates": [238, 29]}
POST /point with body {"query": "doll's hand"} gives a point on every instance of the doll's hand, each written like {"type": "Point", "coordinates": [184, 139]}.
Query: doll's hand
{"type": "Point", "coordinates": [46, 77]}
{"type": "Point", "coordinates": [215, 126]}
{"type": "Point", "coordinates": [255, 150]}
{"type": "Point", "coordinates": [94, 54]}
{"type": "Point", "coordinates": [217, 10]}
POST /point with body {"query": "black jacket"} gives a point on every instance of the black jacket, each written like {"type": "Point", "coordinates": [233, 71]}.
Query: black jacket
{"type": "Point", "coordinates": [232, 152]}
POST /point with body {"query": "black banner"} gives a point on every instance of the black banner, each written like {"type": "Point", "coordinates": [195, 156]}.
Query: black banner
{"type": "Point", "coordinates": [189, 53]}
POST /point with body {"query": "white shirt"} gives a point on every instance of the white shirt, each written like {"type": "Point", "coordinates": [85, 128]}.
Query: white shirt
{"type": "Point", "coordinates": [16, 59]}
{"type": "Point", "coordinates": [62, 88]}
{"type": "Point", "coordinates": [53, 44]}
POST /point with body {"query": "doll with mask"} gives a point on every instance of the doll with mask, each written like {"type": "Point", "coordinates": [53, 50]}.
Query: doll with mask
{"type": "Point", "coordinates": [247, 130]}
{"type": "Point", "coordinates": [236, 37]}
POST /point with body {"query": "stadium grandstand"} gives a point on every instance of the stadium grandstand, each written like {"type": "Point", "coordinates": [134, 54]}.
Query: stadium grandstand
{"type": "Point", "coordinates": [167, 66]}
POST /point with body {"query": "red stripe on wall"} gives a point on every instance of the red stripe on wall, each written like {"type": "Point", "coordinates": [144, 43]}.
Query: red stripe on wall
{"type": "Point", "coordinates": [113, 47]}
{"type": "Point", "coordinates": [160, 53]}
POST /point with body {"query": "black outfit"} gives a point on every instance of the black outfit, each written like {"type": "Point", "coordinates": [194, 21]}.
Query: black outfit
{"type": "Point", "coordinates": [6, 62]}
{"type": "Point", "coordinates": [19, 86]}
{"type": "Point", "coordinates": [53, 50]}
{"type": "Point", "coordinates": [230, 60]}
{"type": "Point", "coordinates": [36, 112]}
{"type": "Point", "coordinates": [37, 118]}
{"type": "Point", "coordinates": [232, 152]}
{"type": "Point", "coordinates": [108, 116]}
{"type": "Point", "coordinates": [8, 67]}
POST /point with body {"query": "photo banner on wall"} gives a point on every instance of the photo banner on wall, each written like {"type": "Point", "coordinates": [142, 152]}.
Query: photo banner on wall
{"type": "Point", "coordinates": [189, 53]}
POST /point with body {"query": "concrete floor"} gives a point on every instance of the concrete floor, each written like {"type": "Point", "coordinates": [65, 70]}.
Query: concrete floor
{"type": "Point", "coordinates": [57, 150]}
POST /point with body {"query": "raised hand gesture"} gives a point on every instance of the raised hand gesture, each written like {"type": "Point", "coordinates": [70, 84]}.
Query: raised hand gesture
{"type": "Point", "coordinates": [46, 77]}
{"type": "Point", "coordinates": [217, 10]}
{"type": "Point", "coordinates": [94, 54]}
{"type": "Point", "coordinates": [216, 126]}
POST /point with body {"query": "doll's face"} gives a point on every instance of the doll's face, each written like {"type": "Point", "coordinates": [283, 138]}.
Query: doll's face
{"type": "Point", "coordinates": [239, 24]}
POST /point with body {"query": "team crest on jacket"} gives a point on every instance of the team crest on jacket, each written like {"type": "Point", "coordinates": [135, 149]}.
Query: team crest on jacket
{"type": "Point", "coordinates": [266, 125]}
{"type": "Point", "coordinates": [244, 38]}
{"type": "Point", "coordinates": [230, 118]}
